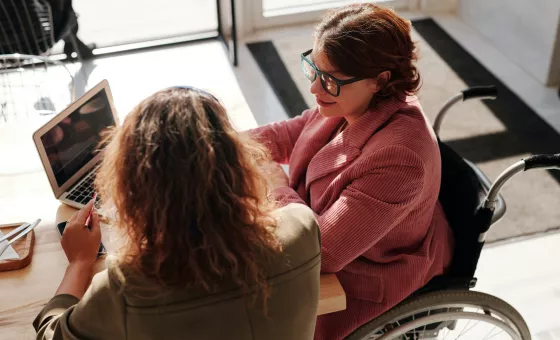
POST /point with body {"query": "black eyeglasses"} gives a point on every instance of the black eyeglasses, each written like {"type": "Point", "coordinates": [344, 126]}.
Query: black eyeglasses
{"type": "Point", "coordinates": [330, 83]}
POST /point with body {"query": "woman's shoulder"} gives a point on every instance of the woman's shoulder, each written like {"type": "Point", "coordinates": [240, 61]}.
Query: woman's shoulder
{"type": "Point", "coordinates": [409, 127]}
{"type": "Point", "coordinates": [404, 137]}
{"type": "Point", "coordinates": [297, 215]}
{"type": "Point", "coordinates": [115, 275]}
{"type": "Point", "coordinates": [410, 108]}
{"type": "Point", "coordinates": [298, 232]}
{"type": "Point", "coordinates": [397, 114]}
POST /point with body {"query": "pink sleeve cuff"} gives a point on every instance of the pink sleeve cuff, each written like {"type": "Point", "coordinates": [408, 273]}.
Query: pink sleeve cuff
{"type": "Point", "coordinates": [285, 196]}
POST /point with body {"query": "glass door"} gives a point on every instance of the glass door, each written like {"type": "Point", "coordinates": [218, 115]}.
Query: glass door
{"type": "Point", "coordinates": [110, 23]}
{"type": "Point", "coordinates": [270, 13]}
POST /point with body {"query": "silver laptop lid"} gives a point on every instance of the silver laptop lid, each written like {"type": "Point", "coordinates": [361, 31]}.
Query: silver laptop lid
{"type": "Point", "coordinates": [69, 143]}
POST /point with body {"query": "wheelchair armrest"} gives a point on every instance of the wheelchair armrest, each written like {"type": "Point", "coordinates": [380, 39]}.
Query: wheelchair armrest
{"type": "Point", "coordinates": [500, 209]}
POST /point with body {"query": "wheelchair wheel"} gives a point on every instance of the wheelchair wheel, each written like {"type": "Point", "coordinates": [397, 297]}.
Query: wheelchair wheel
{"type": "Point", "coordinates": [447, 314]}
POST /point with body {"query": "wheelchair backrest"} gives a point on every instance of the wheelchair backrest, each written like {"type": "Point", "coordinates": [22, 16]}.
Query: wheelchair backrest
{"type": "Point", "coordinates": [461, 196]}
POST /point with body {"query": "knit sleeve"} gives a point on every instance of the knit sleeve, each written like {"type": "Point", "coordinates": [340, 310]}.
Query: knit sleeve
{"type": "Point", "coordinates": [368, 208]}
{"type": "Point", "coordinates": [280, 137]}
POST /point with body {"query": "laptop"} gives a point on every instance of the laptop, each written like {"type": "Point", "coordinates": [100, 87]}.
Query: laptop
{"type": "Point", "coordinates": [68, 145]}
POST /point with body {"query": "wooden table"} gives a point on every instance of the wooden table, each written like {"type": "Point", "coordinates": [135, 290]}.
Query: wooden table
{"type": "Point", "coordinates": [26, 197]}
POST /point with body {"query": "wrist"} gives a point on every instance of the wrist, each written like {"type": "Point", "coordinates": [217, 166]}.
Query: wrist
{"type": "Point", "coordinates": [76, 279]}
{"type": "Point", "coordinates": [81, 266]}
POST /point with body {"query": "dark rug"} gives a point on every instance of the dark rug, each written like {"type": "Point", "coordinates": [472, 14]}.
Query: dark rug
{"type": "Point", "coordinates": [525, 133]}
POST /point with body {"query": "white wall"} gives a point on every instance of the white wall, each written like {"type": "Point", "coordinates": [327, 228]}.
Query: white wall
{"type": "Point", "coordinates": [432, 6]}
{"type": "Point", "coordinates": [526, 31]}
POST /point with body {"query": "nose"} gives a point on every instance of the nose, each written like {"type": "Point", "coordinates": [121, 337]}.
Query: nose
{"type": "Point", "coordinates": [316, 87]}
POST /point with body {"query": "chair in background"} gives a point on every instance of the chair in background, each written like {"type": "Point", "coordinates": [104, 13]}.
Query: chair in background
{"type": "Point", "coordinates": [34, 26]}
{"type": "Point", "coordinates": [32, 90]}
{"type": "Point", "coordinates": [33, 86]}
{"type": "Point", "coordinates": [30, 80]}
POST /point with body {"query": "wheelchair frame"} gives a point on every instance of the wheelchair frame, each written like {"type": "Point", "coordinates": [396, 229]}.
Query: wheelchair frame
{"type": "Point", "coordinates": [438, 306]}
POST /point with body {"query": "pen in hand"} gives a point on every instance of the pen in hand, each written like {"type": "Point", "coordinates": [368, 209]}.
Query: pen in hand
{"type": "Point", "coordinates": [88, 220]}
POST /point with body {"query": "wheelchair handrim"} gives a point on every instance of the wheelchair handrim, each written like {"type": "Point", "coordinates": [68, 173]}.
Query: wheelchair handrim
{"type": "Point", "coordinates": [504, 317]}
{"type": "Point", "coordinates": [452, 316]}
{"type": "Point", "coordinates": [450, 306]}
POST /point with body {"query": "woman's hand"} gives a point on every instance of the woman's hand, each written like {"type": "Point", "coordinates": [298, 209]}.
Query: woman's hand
{"type": "Point", "coordinates": [276, 176]}
{"type": "Point", "coordinates": [79, 242]}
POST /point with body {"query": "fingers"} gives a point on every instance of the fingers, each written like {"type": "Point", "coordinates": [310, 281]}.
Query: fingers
{"type": "Point", "coordinates": [73, 217]}
{"type": "Point", "coordinates": [84, 212]}
{"type": "Point", "coordinates": [80, 216]}
{"type": "Point", "coordinates": [95, 224]}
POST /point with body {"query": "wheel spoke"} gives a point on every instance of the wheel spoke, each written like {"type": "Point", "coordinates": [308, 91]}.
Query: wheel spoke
{"type": "Point", "coordinates": [377, 334]}
{"type": "Point", "coordinates": [471, 327]}
{"type": "Point", "coordinates": [432, 317]}
{"type": "Point", "coordinates": [487, 334]}
{"type": "Point", "coordinates": [424, 330]}
{"type": "Point", "coordinates": [446, 330]}
{"type": "Point", "coordinates": [500, 332]}
{"type": "Point", "coordinates": [463, 330]}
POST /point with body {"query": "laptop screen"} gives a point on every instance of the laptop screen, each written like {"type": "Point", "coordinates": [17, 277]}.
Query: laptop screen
{"type": "Point", "coordinates": [73, 142]}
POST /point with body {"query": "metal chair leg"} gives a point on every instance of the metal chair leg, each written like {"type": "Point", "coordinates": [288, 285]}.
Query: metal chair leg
{"type": "Point", "coordinates": [76, 45]}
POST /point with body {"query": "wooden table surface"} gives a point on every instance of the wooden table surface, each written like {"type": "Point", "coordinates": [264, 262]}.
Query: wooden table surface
{"type": "Point", "coordinates": [28, 196]}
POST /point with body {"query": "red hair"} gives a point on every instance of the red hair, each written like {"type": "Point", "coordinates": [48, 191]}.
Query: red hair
{"type": "Point", "coordinates": [363, 40]}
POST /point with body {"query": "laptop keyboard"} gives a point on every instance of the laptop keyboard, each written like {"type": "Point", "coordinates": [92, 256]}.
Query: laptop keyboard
{"type": "Point", "coordinates": [83, 192]}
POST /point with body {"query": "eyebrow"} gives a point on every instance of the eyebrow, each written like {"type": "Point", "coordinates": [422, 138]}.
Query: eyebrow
{"type": "Point", "coordinates": [330, 72]}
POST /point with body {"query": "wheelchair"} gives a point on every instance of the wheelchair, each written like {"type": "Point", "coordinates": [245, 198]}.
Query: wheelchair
{"type": "Point", "coordinates": [446, 308]}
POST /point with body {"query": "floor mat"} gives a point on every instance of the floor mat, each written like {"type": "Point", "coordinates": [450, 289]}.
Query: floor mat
{"type": "Point", "coordinates": [493, 134]}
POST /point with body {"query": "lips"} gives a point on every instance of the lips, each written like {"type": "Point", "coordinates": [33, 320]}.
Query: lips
{"type": "Point", "coordinates": [323, 103]}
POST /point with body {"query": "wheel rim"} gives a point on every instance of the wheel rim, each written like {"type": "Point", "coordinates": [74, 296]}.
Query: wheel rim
{"type": "Point", "coordinates": [449, 321]}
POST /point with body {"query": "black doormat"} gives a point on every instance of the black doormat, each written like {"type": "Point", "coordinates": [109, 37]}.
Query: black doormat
{"type": "Point", "coordinates": [526, 132]}
{"type": "Point", "coordinates": [532, 201]}
{"type": "Point", "coordinates": [278, 77]}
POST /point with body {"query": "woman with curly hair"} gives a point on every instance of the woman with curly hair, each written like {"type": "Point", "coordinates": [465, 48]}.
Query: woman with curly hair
{"type": "Point", "coordinates": [204, 253]}
{"type": "Point", "coordinates": [367, 162]}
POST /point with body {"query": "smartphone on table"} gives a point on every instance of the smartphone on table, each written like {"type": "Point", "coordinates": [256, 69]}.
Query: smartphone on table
{"type": "Point", "coordinates": [62, 225]}
{"type": "Point", "coordinates": [102, 251]}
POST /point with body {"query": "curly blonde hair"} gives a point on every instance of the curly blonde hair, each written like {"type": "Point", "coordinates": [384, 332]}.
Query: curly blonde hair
{"type": "Point", "coordinates": [188, 192]}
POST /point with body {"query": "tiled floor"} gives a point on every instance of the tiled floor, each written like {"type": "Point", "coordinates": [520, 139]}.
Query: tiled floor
{"type": "Point", "coordinates": [525, 273]}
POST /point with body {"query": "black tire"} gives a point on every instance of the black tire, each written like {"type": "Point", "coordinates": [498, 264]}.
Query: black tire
{"type": "Point", "coordinates": [458, 297]}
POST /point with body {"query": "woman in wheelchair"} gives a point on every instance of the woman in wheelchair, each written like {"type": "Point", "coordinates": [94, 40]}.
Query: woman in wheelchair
{"type": "Point", "coordinates": [367, 162]}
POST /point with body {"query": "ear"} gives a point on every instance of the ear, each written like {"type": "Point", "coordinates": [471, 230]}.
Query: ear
{"type": "Point", "coordinates": [384, 77]}
{"type": "Point", "coordinates": [381, 79]}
